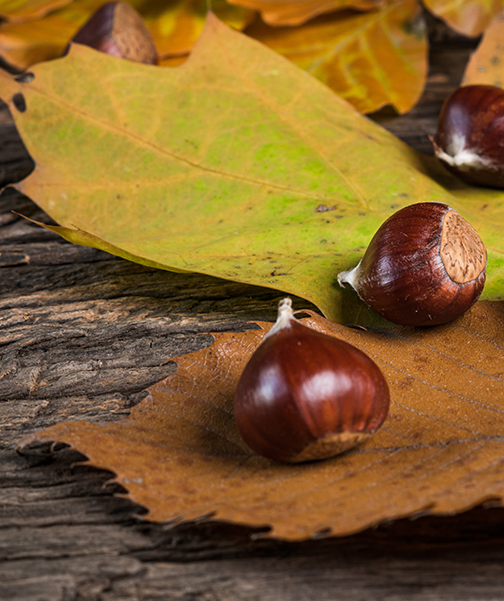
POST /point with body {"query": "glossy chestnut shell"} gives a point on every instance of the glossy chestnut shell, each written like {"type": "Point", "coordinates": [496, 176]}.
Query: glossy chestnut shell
{"type": "Point", "coordinates": [117, 29]}
{"type": "Point", "coordinates": [470, 135]}
{"type": "Point", "coordinates": [425, 265]}
{"type": "Point", "coordinates": [305, 395]}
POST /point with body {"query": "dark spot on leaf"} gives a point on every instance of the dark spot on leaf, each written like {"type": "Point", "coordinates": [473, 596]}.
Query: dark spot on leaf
{"type": "Point", "coordinates": [395, 417]}
{"type": "Point", "coordinates": [368, 136]}
{"type": "Point", "coordinates": [408, 381]}
{"type": "Point", "coordinates": [324, 208]}
{"type": "Point", "coordinates": [19, 102]}
{"type": "Point", "coordinates": [417, 358]}
{"type": "Point", "coordinates": [25, 77]}
{"type": "Point", "coordinates": [415, 27]}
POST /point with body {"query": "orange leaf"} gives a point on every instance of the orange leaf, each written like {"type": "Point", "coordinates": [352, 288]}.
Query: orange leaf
{"type": "Point", "coordinates": [486, 65]}
{"type": "Point", "coordinates": [440, 450]}
{"type": "Point", "coordinates": [177, 28]}
{"type": "Point", "coordinates": [174, 27]}
{"type": "Point", "coordinates": [469, 17]}
{"type": "Point", "coordinates": [284, 12]}
{"type": "Point", "coordinates": [18, 11]}
{"type": "Point", "coordinates": [370, 59]}
{"type": "Point", "coordinates": [173, 61]}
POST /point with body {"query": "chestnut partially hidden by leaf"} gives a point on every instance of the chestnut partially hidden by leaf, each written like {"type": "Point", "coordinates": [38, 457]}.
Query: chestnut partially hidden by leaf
{"type": "Point", "coordinates": [425, 265]}
{"type": "Point", "coordinates": [117, 29]}
{"type": "Point", "coordinates": [305, 395]}
{"type": "Point", "coordinates": [470, 135]}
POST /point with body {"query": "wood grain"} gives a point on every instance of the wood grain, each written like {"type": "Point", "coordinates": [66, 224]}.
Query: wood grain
{"type": "Point", "coordinates": [81, 336]}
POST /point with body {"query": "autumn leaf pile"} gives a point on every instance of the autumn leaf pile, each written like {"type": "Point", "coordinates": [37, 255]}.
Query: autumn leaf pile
{"type": "Point", "coordinates": [371, 52]}
{"type": "Point", "coordinates": [241, 165]}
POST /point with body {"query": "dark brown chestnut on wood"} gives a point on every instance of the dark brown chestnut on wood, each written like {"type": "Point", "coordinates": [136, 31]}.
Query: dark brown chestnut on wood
{"type": "Point", "coordinates": [117, 29]}
{"type": "Point", "coordinates": [470, 135]}
{"type": "Point", "coordinates": [426, 265]}
{"type": "Point", "coordinates": [304, 395]}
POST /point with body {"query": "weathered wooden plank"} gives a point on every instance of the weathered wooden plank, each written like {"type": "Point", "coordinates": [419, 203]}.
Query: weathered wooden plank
{"type": "Point", "coordinates": [71, 536]}
{"type": "Point", "coordinates": [295, 578]}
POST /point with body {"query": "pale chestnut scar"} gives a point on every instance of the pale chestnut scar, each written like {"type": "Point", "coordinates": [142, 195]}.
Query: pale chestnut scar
{"type": "Point", "coordinates": [330, 445]}
{"type": "Point", "coordinates": [462, 250]}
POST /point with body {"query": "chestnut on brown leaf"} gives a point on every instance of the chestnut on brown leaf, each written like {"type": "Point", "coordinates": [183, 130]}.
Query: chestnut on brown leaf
{"type": "Point", "coordinates": [470, 135]}
{"type": "Point", "coordinates": [305, 395]}
{"type": "Point", "coordinates": [425, 265]}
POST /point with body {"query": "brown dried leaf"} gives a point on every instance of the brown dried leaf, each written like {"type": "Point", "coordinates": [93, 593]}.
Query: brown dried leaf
{"type": "Point", "coordinates": [441, 449]}
{"type": "Point", "coordinates": [486, 65]}
{"type": "Point", "coordinates": [284, 12]}
{"type": "Point", "coordinates": [370, 59]}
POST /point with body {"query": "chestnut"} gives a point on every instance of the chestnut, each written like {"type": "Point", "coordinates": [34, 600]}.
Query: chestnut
{"type": "Point", "coordinates": [304, 395]}
{"type": "Point", "coordinates": [425, 265]}
{"type": "Point", "coordinates": [470, 135]}
{"type": "Point", "coordinates": [117, 29]}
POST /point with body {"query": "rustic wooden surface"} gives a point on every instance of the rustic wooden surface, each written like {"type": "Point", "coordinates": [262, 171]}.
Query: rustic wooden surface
{"type": "Point", "coordinates": [81, 336]}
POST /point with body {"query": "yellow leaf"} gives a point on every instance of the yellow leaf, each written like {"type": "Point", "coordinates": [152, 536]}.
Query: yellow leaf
{"type": "Point", "coordinates": [284, 12]}
{"type": "Point", "coordinates": [370, 59]}
{"type": "Point", "coordinates": [236, 164]}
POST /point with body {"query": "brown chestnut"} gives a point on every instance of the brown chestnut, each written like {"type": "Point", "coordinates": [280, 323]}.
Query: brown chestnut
{"type": "Point", "coordinates": [305, 395]}
{"type": "Point", "coordinates": [470, 135]}
{"type": "Point", "coordinates": [425, 265]}
{"type": "Point", "coordinates": [117, 29]}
